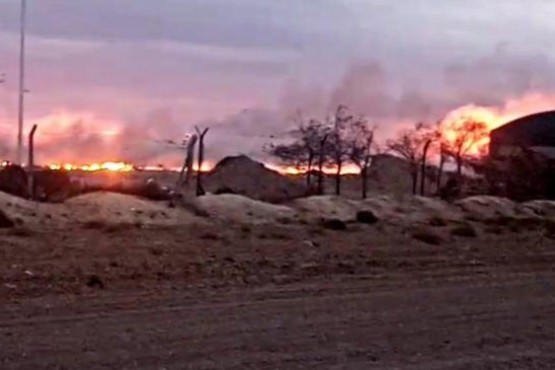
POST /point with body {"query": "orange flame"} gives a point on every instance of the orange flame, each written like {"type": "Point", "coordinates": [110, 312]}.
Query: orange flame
{"type": "Point", "coordinates": [94, 167]}
{"type": "Point", "coordinates": [494, 117]}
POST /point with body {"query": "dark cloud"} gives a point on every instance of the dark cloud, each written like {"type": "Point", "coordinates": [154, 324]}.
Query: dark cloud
{"type": "Point", "coordinates": [236, 23]}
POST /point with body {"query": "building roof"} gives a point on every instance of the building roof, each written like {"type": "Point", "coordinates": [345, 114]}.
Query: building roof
{"type": "Point", "coordinates": [533, 130]}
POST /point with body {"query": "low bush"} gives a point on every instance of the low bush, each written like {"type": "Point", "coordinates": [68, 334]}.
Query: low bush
{"type": "Point", "coordinates": [465, 231]}
{"type": "Point", "coordinates": [367, 217]}
{"type": "Point", "coordinates": [428, 236]}
{"type": "Point", "coordinates": [334, 224]}
{"type": "Point", "coordinates": [437, 222]}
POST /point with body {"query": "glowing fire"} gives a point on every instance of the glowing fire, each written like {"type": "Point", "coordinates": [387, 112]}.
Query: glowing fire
{"type": "Point", "coordinates": [494, 117]}
{"type": "Point", "coordinates": [67, 142]}
{"type": "Point", "coordinates": [94, 167]}
{"type": "Point", "coordinates": [346, 170]}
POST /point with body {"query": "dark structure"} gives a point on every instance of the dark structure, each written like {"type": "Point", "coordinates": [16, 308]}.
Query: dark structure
{"type": "Point", "coordinates": [522, 157]}
{"type": "Point", "coordinates": [49, 185]}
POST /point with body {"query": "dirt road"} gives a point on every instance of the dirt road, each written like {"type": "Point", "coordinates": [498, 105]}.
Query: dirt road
{"type": "Point", "coordinates": [357, 324]}
{"type": "Point", "coordinates": [287, 297]}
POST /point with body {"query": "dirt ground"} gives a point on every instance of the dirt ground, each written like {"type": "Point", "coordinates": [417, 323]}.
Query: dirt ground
{"type": "Point", "coordinates": [223, 296]}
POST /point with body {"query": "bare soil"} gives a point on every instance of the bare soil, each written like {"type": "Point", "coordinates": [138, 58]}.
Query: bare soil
{"type": "Point", "coordinates": [225, 296]}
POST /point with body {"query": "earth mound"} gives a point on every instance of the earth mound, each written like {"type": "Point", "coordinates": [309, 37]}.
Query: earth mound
{"type": "Point", "coordinates": [243, 176]}
{"type": "Point", "coordinates": [116, 208]}
{"type": "Point", "coordinates": [237, 208]}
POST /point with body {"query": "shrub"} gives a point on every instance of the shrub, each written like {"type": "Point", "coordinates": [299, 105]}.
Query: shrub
{"type": "Point", "coordinates": [428, 236]}
{"type": "Point", "coordinates": [111, 227]}
{"type": "Point", "coordinates": [334, 224]}
{"type": "Point", "coordinates": [437, 221]}
{"type": "Point", "coordinates": [367, 217]}
{"type": "Point", "coordinates": [246, 229]}
{"type": "Point", "coordinates": [95, 282]}
{"type": "Point", "coordinates": [94, 225]}
{"type": "Point", "coordinates": [465, 231]}
{"type": "Point", "coordinates": [275, 235]}
{"type": "Point", "coordinates": [284, 220]}
{"type": "Point", "coordinates": [494, 229]}
{"type": "Point", "coordinates": [210, 236]}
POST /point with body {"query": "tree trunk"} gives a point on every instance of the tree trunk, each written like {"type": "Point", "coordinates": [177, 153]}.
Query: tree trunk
{"type": "Point", "coordinates": [321, 160]}
{"type": "Point", "coordinates": [423, 168]}
{"type": "Point", "coordinates": [414, 174]}
{"type": "Point", "coordinates": [321, 177]}
{"type": "Point", "coordinates": [440, 173]}
{"type": "Point", "coordinates": [309, 170]}
{"type": "Point", "coordinates": [338, 178]}
{"type": "Point", "coordinates": [459, 167]}
{"type": "Point", "coordinates": [364, 176]}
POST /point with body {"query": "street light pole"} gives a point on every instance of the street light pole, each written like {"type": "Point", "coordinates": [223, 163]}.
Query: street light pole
{"type": "Point", "coordinates": [21, 116]}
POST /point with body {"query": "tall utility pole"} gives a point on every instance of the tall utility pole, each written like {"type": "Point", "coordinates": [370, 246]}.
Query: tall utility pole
{"type": "Point", "coordinates": [21, 116]}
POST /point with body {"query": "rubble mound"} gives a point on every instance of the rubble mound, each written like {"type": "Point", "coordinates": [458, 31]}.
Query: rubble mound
{"type": "Point", "coordinates": [237, 208]}
{"type": "Point", "coordinates": [115, 208]}
{"type": "Point", "coordinates": [483, 207]}
{"type": "Point", "coordinates": [328, 207]}
{"type": "Point", "coordinates": [243, 176]}
{"type": "Point", "coordinates": [542, 208]}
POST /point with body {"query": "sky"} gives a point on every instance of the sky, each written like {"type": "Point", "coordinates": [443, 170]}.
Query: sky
{"type": "Point", "coordinates": [111, 79]}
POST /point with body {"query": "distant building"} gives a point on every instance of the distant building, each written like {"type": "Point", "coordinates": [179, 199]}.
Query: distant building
{"type": "Point", "coordinates": [535, 132]}
{"type": "Point", "coordinates": [523, 156]}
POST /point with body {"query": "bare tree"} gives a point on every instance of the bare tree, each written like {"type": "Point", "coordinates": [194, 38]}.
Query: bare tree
{"type": "Point", "coordinates": [360, 144]}
{"type": "Point", "coordinates": [429, 137]}
{"type": "Point", "coordinates": [443, 156]}
{"type": "Point", "coordinates": [409, 144]}
{"type": "Point", "coordinates": [322, 155]}
{"type": "Point", "coordinates": [464, 139]}
{"type": "Point", "coordinates": [307, 151]}
{"type": "Point", "coordinates": [293, 154]}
